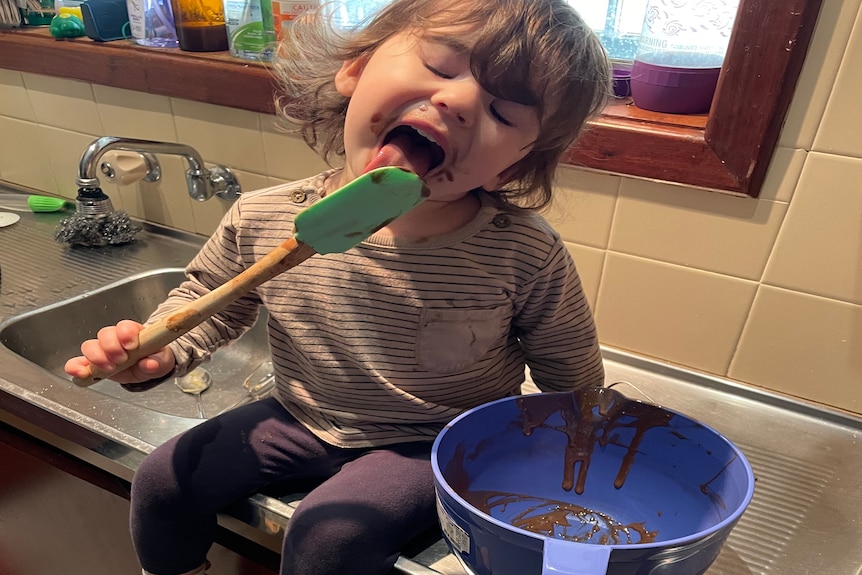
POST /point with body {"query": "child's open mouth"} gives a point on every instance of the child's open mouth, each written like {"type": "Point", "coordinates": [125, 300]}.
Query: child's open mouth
{"type": "Point", "coordinates": [409, 148]}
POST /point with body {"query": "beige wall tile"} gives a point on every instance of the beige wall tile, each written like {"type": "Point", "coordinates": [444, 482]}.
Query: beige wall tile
{"type": "Point", "coordinates": [287, 155]}
{"type": "Point", "coordinates": [208, 214]}
{"type": "Point", "coordinates": [819, 248]}
{"type": "Point", "coordinates": [267, 122]}
{"type": "Point", "coordinates": [63, 149]}
{"type": "Point", "coordinates": [63, 103]}
{"type": "Point", "coordinates": [126, 198]}
{"type": "Point", "coordinates": [842, 121]}
{"type": "Point", "coordinates": [221, 135]}
{"type": "Point", "coordinates": [166, 202]}
{"type": "Point", "coordinates": [14, 101]}
{"type": "Point", "coordinates": [783, 174]}
{"type": "Point", "coordinates": [24, 157]}
{"type": "Point", "coordinates": [270, 181]}
{"type": "Point", "coordinates": [803, 345]}
{"type": "Point", "coordinates": [135, 114]}
{"type": "Point", "coordinates": [583, 206]}
{"type": "Point", "coordinates": [818, 73]}
{"type": "Point", "coordinates": [681, 315]}
{"type": "Point", "coordinates": [590, 263]}
{"type": "Point", "coordinates": [705, 230]}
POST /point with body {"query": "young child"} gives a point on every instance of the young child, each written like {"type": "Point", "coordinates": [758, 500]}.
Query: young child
{"type": "Point", "coordinates": [376, 349]}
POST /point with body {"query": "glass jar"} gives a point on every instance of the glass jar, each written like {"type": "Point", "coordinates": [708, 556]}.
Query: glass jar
{"type": "Point", "coordinates": [152, 23]}
{"type": "Point", "coordinates": [200, 25]}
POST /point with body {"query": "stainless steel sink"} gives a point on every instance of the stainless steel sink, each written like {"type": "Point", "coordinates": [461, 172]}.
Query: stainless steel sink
{"type": "Point", "coordinates": [50, 335]}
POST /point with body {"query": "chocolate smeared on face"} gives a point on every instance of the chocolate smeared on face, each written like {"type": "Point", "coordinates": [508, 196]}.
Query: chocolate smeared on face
{"type": "Point", "coordinates": [591, 416]}
{"type": "Point", "coordinates": [377, 124]}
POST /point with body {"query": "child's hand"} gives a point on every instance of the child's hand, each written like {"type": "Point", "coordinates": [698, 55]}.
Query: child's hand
{"type": "Point", "coordinates": [110, 349]}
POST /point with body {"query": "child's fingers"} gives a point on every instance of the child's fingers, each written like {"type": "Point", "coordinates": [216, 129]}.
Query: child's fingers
{"type": "Point", "coordinates": [155, 365]}
{"type": "Point", "coordinates": [115, 342]}
{"type": "Point", "coordinates": [151, 367]}
{"type": "Point", "coordinates": [104, 352]}
{"type": "Point", "coordinates": [127, 334]}
{"type": "Point", "coordinates": [77, 367]}
{"type": "Point", "coordinates": [111, 347]}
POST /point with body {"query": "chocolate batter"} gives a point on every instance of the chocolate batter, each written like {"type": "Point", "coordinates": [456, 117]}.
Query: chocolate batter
{"type": "Point", "coordinates": [590, 416]}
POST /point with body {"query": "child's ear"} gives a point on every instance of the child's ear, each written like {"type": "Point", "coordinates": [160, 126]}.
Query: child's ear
{"type": "Point", "coordinates": [348, 76]}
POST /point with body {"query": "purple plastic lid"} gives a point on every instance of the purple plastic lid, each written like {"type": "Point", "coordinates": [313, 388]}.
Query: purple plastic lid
{"type": "Point", "coordinates": [622, 81]}
{"type": "Point", "coordinates": [673, 90]}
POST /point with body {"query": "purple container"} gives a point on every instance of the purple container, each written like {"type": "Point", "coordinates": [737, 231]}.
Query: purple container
{"type": "Point", "coordinates": [674, 90]}
{"type": "Point", "coordinates": [622, 81]}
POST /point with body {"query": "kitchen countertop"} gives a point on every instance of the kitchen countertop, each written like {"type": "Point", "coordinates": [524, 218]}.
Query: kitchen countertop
{"type": "Point", "coordinates": [806, 515]}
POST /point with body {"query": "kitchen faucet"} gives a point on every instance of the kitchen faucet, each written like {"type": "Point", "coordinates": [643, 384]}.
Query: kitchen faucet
{"type": "Point", "coordinates": [203, 183]}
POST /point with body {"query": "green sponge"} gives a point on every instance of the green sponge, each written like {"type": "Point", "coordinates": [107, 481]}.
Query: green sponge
{"type": "Point", "coordinates": [28, 203]}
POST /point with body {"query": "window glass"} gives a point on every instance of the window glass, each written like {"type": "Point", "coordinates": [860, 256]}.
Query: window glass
{"type": "Point", "coordinates": [618, 23]}
{"type": "Point", "coordinates": [349, 13]}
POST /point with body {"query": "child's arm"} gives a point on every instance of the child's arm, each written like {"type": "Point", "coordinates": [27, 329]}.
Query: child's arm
{"type": "Point", "coordinates": [556, 328]}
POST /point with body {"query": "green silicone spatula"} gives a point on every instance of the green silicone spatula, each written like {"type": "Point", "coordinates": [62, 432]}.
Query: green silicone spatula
{"type": "Point", "coordinates": [334, 224]}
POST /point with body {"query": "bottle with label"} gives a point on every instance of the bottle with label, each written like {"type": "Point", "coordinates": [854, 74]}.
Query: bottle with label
{"type": "Point", "coordinates": [680, 53]}
{"type": "Point", "coordinates": [284, 12]}
{"type": "Point", "coordinates": [250, 28]}
{"type": "Point", "coordinates": [200, 25]}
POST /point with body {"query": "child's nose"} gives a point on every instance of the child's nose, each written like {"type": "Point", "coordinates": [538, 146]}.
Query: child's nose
{"type": "Point", "coordinates": [460, 99]}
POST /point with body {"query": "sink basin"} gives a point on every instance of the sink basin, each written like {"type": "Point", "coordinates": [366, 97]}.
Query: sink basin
{"type": "Point", "coordinates": [50, 335]}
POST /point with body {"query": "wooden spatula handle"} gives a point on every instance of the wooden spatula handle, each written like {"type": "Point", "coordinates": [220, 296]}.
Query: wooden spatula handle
{"type": "Point", "coordinates": [156, 336]}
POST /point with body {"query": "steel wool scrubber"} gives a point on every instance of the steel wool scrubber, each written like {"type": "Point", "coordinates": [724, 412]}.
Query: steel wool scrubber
{"type": "Point", "coordinates": [95, 223]}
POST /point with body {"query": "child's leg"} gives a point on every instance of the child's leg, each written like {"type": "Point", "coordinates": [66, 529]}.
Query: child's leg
{"type": "Point", "coordinates": [358, 520]}
{"type": "Point", "coordinates": [180, 486]}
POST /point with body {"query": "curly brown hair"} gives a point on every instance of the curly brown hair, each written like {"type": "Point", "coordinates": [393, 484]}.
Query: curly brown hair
{"type": "Point", "coordinates": [535, 52]}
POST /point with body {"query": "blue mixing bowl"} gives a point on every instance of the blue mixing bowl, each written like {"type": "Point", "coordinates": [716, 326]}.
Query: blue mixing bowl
{"type": "Point", "coordinates": [586, 483]}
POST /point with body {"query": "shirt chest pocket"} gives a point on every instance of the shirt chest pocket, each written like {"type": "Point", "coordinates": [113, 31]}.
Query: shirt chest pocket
{"type": "Point", "coordinates": [450, 340]}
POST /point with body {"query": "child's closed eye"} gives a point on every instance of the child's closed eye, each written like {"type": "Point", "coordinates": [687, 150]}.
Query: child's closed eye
{"type": "Point", "coordinates": [438, 72]}
{"type": "Point", "coordinates": [500, 118]}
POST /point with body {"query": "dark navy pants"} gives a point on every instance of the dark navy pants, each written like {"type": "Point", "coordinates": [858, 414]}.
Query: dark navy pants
{"type": "Point", "coordinates": [369, 502]}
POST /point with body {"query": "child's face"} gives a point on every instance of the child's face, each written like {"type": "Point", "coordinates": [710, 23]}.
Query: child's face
{"type": "Point", "coordinates": [418, 87]}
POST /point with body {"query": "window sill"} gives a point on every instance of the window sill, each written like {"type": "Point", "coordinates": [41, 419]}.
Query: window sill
{"type": "Point", "coordinates": [727, 150]}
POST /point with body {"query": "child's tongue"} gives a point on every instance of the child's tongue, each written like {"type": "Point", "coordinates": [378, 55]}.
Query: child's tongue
{"type": "Point", "coordinates": [401, 151]}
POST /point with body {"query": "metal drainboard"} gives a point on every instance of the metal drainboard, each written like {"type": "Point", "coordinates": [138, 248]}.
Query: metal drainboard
{"type": "Point", "coordinates": [806, 514]}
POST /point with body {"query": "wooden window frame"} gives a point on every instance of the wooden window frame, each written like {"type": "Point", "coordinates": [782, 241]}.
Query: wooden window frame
{"type": "Point", "coordinates": [727, 150]}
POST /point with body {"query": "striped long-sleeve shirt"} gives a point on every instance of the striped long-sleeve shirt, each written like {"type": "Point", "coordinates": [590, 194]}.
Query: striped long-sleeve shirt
{"type": "Point", "coordinates": [391, 340]}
